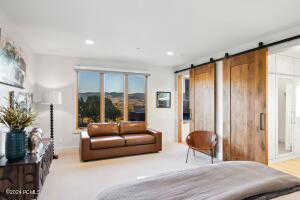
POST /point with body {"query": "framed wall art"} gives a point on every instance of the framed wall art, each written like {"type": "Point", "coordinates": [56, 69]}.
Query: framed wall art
{"type": "Point", "coordinates": [24, 99]}
{"type": "Point", "coordinates": [163, 99]}
{"type": "Point", "coordinates": [12, 63]}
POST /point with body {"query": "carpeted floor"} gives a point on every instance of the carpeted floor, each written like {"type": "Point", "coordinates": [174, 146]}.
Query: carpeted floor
{"type": "Point", "coordinates": [70, 179]}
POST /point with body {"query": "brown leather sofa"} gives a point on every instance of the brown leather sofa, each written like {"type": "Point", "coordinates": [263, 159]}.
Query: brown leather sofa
{"type": "Point", "coordinates": [108, 140]}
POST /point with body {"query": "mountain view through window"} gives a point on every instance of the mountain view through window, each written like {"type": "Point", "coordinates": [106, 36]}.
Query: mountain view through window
{"type": "Point", "coordinates": [136, 97]}
{"type": "Point", "coordinates": [88, 98]}
{"type": "Point", "coordinates": [114, 94]}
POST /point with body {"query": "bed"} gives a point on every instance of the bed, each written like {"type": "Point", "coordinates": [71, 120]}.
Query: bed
{"type": "Point", "coordinates": [233, 180]}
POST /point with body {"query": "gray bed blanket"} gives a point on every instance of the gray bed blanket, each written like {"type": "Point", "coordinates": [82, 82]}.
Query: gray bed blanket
{"type": "Point", "coordinates": [232, 180]}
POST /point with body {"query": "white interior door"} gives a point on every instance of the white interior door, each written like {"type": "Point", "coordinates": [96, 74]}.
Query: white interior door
{"type": "Point", "coordinates": [272, 116]}
{"type": "Point", "coordinates": [285, 109]}
{"type": "Point", "coordinates": [296, 117]}
{"type": "Point", "coordinates": [289, 108]}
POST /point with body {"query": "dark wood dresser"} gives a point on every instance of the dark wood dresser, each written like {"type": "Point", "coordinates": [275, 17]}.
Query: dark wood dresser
{"type": "Point", "coordinates": [24, 179]}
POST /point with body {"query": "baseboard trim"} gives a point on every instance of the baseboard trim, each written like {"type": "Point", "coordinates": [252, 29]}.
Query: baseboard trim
{"type": "Point", "coordinates": [282, 159]}
{"type": "Point", "coordinates": [220, 155]}
{"type": "Point", "coordinates": [61, 149]}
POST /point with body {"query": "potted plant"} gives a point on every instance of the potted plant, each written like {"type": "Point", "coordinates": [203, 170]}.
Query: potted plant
{"type": "Point", "coordinates": [16, 118]}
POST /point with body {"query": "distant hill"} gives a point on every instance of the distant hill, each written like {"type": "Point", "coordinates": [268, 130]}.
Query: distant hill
{"type": "Point", "coordinates": [114, 94]}
{"type": "Point", "coordinates": [89, 94]}
{"type": "Point", "coordinates": [137, 95]}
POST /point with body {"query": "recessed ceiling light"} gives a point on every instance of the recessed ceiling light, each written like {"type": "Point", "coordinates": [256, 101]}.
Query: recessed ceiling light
{"type": "Point", "coordinates": [170, 53]}
{"type": "Point", "coordinates": [89, 42]}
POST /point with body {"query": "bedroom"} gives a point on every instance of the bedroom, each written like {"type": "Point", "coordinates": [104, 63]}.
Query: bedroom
{"type": "Point", "coordinates": [112, 76]}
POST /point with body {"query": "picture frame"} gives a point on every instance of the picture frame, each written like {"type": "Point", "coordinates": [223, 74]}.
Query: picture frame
{"type": "Point", "coordinates": [12, 63]}
{"type": "Point", "coordinates": [163, 99]}
{"type": "Point", "coordinates": [24, 99]}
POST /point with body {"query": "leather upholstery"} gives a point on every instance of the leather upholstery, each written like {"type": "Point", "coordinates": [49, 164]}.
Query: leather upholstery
{"type": "Point", "coordinates": [202, 141]}
{"type": "Point", "coordinates": [158, 138]}
{"type": "Point", "coordinates": [84, 145]}
{"type": "Point", "coordinates": [102, 129]}
{"type": "Point", "coordinates": [132, 127]}
{"type": "Point", "coordinates": [110, 146]}
{"type": "Point", "coordinates": [107, 142]}
{"type": "Point", "coordinates": [138, 139]}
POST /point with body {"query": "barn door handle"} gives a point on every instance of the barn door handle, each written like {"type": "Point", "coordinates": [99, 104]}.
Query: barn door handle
{"type": "Point", "coordinates": [261, 122]}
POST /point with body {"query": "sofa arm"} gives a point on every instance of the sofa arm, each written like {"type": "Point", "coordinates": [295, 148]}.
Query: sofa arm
{"type": "Point", "coordinates": [158, 138]}
{"type": "Point", "coordinates": [84, 145]}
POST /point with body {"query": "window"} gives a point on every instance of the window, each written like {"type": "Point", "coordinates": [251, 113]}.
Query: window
{"type": "Point", "coordinates": [88, 98]}
{"type": "Point", "coordinates": [186, 99]}
{"type": "Point", "coordinates": [114, 97]}
{"type": "Point", "coordinates": [136, 97]}
{"type": "Point", "coordinates": [110, 96]}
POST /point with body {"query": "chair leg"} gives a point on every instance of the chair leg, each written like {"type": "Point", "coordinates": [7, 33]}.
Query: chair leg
{"type": "Point", "coordinates": [212, 156]}
{"type": "Point", "coordinates": [187, 155]}
{"type": "Point", "coordinates": [194, 153]}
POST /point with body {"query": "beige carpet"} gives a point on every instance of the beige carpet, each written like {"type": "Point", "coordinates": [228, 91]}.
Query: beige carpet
{"type": "Point", "coordinates": [70, 179]}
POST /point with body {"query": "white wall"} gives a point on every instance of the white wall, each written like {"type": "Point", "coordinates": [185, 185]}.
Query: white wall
{"type": "Point", "coordinates": [57, 73]}
{"type": "Point", "coordinates": [219, 108]}
{"type": "Point", "coordinates": [10, 31]}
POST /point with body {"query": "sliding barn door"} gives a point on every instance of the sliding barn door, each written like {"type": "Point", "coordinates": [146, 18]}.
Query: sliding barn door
{"type": "Point", "coordinates": [245, 110]}
{"type": "Point", "coordinates": [203, 97]}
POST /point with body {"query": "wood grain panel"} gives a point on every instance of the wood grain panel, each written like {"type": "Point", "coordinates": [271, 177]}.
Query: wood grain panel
{"type": "Point", "coordinates": [261, 104]}
{"type": "Point", "coordinates": [242, 112]}
{"type": "Point", "coordinates": [245, 110]}
{"type": "Point", "coordinates": [203, 95]}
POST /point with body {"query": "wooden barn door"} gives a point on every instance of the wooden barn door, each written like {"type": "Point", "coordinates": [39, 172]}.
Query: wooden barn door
{"type": "Point", "coordinates": [202, 101]}
{"type": "Point", "coordinates": [245, 110]}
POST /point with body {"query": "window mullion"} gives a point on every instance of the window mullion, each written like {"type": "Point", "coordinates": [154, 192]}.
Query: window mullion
{"type": "Point", "coordinates": [102, 98]}
{"type": "Point", "coordinates": [77, 101]}
{"type": "Point", "coordinates": [125, 117]}
{"type": "Point", "coordinates": [146, 100]}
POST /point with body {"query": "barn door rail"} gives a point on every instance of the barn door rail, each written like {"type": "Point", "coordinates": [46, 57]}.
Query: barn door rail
{"type": "Point", "coordinates": [227, 55]}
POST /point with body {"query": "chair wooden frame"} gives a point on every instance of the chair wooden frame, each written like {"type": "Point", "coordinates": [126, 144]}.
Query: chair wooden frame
{"type": "Point", "coordinates": [202, 141]}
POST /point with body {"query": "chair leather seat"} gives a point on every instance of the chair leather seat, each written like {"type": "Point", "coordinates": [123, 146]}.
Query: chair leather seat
{"type": "Point", "coordinates": [107, 142]}
{"type": "Point", "coordinates": [138, 139]}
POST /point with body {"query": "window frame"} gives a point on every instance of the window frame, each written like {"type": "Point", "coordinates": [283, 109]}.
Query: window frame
{"type": "Point", "coordinates": [183, 89]}
{"type": "Point", "coordinates": [102, 94]}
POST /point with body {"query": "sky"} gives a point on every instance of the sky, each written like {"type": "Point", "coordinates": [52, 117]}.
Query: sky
{"type": "Point", "coordinates": [113, 82]}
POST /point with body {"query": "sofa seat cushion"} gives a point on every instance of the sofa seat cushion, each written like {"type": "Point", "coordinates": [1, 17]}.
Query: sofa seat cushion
{"type": "Point", "coordinates": [138, 139]}
{"type": "Point", "coordinates": [107, 142]}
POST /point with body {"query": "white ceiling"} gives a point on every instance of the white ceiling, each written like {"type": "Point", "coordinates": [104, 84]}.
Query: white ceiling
{"type": "Point", "coordinates": [293, 52]}
{"type": "Point", "coordinates": [141, 31]}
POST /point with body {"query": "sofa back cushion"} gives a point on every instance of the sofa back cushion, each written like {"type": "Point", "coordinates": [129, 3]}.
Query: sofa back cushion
{"type": "Point", "coordinates": [132, 127]}
{"type": "Point", "coordinates": [102, 129]}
